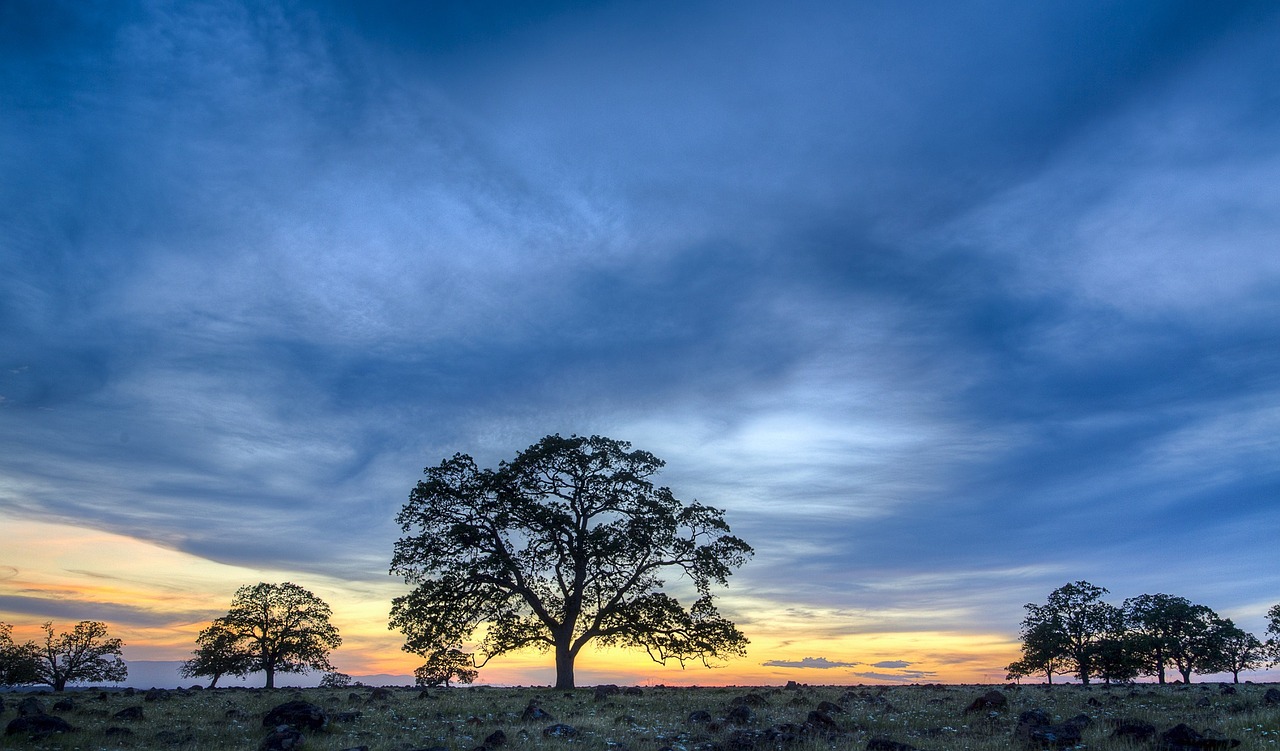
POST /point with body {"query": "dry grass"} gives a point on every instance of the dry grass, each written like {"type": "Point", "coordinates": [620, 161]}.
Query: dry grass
{"type": "Point", "coordinates": [926, 717]}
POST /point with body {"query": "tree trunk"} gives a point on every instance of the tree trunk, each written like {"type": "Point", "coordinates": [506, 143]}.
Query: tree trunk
{"type": "Point", "coordinates": [1235, 676]}
{"type": "Point", "coordinates": [59, 683]}
{"type": "Point", "coordinates": [1186, 675]}
{"type": "Point", "coordinates": [564, 666]}
{"type": "Point", "coordinates": [271, 677]}
{"type": "Point", "coordinates": [214, 683]}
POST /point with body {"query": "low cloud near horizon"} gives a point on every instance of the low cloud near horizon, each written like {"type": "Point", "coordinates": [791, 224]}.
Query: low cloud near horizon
{"type": "Point", "coordinates": [819, 663]}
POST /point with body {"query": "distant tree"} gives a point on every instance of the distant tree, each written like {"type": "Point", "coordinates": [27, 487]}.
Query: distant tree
{"type": "Point", "coordinates": [220, 651]}
{"type": "Point", "coordinates": [1273, 634]}
{"type": "Point", "coordinates": [335, 680]}
{"type": "Point", "coordinates": [563, 546]}
{"type": "Point", "coordinates": [1117, 655]}
{"type": "Point", "coordinates": [444, 666]}
{"type": "Point", "coordinates": [1044, 646]}
{"type": "Point", "coordinates": [1231, 649]}
{"type": "Point", "coordinates": [1170, 630]}
{"type": "Point", "coordinates": [283, 627]}
{"type": "Point", "coordinates": [1072, 624]}
{"type": "Point", "coordinates": [17, 661]}
{"type": "Point", "coordinates": [85, 654]}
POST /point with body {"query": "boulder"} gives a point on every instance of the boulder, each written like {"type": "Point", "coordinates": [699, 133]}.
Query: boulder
{"type": "Point", "coordinates": [37, 726]}
{"type": "Point", "coordinates": [699, 717]}
{"type": "Point", "coordinates": [381, 694]}
{"type": "Point", "coordinates": [739, 714]}
{"type": "Point", "coordinates": [560, 730]}
{"type": "Point", "coordinates": [535, 713]}
{"type": "Point", "coordinates": [64, 705]}
{"type": "Point", "coordinates": [178, 737]}
{"type": "Point", "coordinates": [1183, 737]}
{"type": "Point", "coordinates": [283, 738]}
{"type": "Point", "coordinates": [351, 716]}
{"type": "Point", "coordinates": [633, 691]}
{"type": "Point", "coordinates": [992, 700]}
{"type": "Point", "coordinates": [1272, 697]}
{"type": "Point", "coordinates": [1135, 731]}
{"type": "Point", "coordinates": [884, 744]}
{"type": "Point", "coordinates": [129, 713]}
{"type": "Point", "coordinates": [830, 708]}
{"type": "Point", "coordinates": [30, 706]}
{"type": "Point", "coordinates": [296, 714]}
{"type": "Point", "coordinates": [821, 722]}
{"type": "Point", "coordinates": [605, 691]}
{"type": "Point", "coordinates": [495, 739]}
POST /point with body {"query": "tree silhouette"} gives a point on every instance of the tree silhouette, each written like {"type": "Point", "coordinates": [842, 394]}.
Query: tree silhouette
{"type": "Point", "coordinates": [562, 546]}
{"type": "Point", "coordinates": [220, 650]}
{"type": "Point", "coordinates": [83, 654]}
{"type": "Point", "coordinates": [283, 627]}
{"type": "Point", "coordinates": [1231, 649]}
{"type": "Point", "coordinates": [17, 661]}
{"type": "Point", "coordinates": [445, 665]}
{"type": "Point", "coordinates": [1071, 626]}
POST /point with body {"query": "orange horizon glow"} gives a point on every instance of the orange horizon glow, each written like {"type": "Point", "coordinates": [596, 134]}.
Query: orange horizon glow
{"type": "Point", "coordinates": [173, 595]}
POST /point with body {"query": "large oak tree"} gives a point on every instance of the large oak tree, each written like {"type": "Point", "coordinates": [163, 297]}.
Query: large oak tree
{"type": "Point", "coordinates": [284, 628]}
{"type": "Point", "coordinates": [565, 545]}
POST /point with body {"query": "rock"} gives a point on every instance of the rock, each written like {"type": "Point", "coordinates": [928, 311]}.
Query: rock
{"type": "Point", "coordinates": [129, 713]}
{"type": "Point", "coordinates": [830, 708]}
{"type": "Point", "coordinates": [792, 686]}
{"type": "Point", "coordinates": [535, 713]}
{"type": "Point", "coordinates": [633, 691]}
{"type": "Point", "coordinates": [822, 722]}
{"type": "Point", "coordinates": [992, 700]}
{"type": "Point", "coordinates": [30, 706]}
{"type": "Point", "coordinates": [115, 731]}
{"type": "Point", "coordinates": [381, 694]}
{"type": "Point", "coordinates": [353, 697]}
{"type": "Point", "coordinates": [351, 716]}
{"type": "Point", "coordinates": [284, 738]}
{"type": "Point", "coordinates": [1272, 697]}
{"type": "Point", "coordinates": [1227, 689]}
{"type": "Point", "coordinates": [605, 691]}
{"type": "Point", "coordinates": [1036, 728]}
{"type": "Point", "coordinates": [749, 700]}
{"type": "Point", "coordinates": [495, 739]}
{"type": "Point", "coordinates": [884, 744]}
{"type": "Point", "coordinates": [155, 694]}
{"type": "Point", "coordinates": [174, 737]}
{"type": "Point", "coordinates": [739, 714]}
{"type": "Point", "coordinates": [1136, 731]}
{"type": "Point", "coordinates": [37, 726]}
{"type": "Point", "coordinates": [698, 717]}
{"type": "Point", "coordinates": [297, 714]}
{"type": "Point", "coordinates": [560, 730]}
{"type": "Point", "coordinates": [1182, 737]}
{"type": "Point", "coordinates": [64, 705]}
{"type": "Point", "coordinates": [236, 714]}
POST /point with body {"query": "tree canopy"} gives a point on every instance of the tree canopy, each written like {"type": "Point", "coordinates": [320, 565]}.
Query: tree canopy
{"type": "Point", "coordinates": [281, 628]}
{"type": "Point", "coordinates": [85, 654]}
{"type": "Point", "coordinates": [564, 545]}
{"type": "Point", "coordinates": [17, 661]}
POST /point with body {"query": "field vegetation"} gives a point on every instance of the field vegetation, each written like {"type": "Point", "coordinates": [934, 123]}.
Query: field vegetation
{"type": "Point", "coordinates": [804, 718]}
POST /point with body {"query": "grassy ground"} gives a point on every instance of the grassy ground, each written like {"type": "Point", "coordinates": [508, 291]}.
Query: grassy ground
{"type": "Point", "coordinates": [459, 719]}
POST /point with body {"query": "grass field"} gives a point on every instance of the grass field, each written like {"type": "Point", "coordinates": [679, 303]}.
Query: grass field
{"type": "Point", "coordinates": [727, 719]}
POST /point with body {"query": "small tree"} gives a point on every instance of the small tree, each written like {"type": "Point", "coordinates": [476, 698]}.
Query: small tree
{"type": "Point", "coordinates": [283, 627]}
{"type": "Point", "coordinates": [84, 654]}
{"type": "Point", "coordinates": [563, 546]}
{"type": "Point", "coordinates": [1273, 634]}
{"type": "Point", "coordinates": [1232, 650]}
{"type": "Point", "coordinates": [17, 661]}
{"type": "Point", "coordinates": [1075, 621]}
{"type": "Point", "coordinates": [1044, 646]}
{"type": "Point", "coordinates": [335, 680]}
{"type": "Point", "coordinates": [446, 665]}
{"type": "Point", "coordinates": [220, 651]}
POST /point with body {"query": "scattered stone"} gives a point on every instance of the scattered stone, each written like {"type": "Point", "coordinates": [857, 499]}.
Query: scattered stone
{"type": "Point", "coordinates": [605, 691]}
{"type": "Point", "coordinates": [297, 714]}
{"type": "Point", "coordinates": [353, 697]}
{"type": "Point", "coordinates": [822, 722]}
{"type": "Point", "coordinates": [37, 726]}
{"type": "Point", "coordinates": [739, 714]}
{"type": "Point", "coordinates": [1227, 689]}
{"type": "Point", "coordinates": [237, 714]}
{"type": "Point", "coordinates": [1036, 728]}
{"type": "Point", "coordinates": [1093, 702]}
{"type": "Point", "coordinates": [129, 713]}
{"type": "Point", "coordinates": [495, 739]}
{"type": "Point", "coordinates": [792, 686]}
{"type": "Point", "coordinates": [749, 700]}
{"type": "Point", "coordinates": [64, 705]}
{"type": "Point", "coordinates": [535, 713]}
{"type": "Point", "coordinates": [699, 717]}
{"type": "Point", "coordinates": [29, 707]}
{"type": "Point", "coordinates": [155, 694]}
{"type": "Point", "coordinates": [115, 731]}
{"type": "Point", "coordinates": [1182, 737]}
{"type": "Point", "coordinates": [560, 730]}
{"type": "Point", "coordinates": [633, 691]}
{"type": "Point", "coordinates": [174, 737]}
{"type": "Point", "coordinates": [830, 708]}
{"type": "Point", "coordinates": [992, 700]}
{"type": "Point", "coordinates": [351, 716]}
{"type": "Point", "coordinates": [884, 744]}
{"type": "Point", "coordinates": [1137, 731]}
{"type": "Point", "coordinates": [380, 694]}
{"type": "Point", "coordinates": [1272, 697]}
{"type": "Point", "coordinates": [284, 738]}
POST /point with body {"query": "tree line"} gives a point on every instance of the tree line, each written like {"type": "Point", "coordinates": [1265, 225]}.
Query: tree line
{"type": "Point", "coordinates": [1076, 633]}
{"type": "Point", "coordinates": [567, 544]}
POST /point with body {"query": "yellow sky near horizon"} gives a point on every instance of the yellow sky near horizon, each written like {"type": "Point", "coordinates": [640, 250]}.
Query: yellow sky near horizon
{"type": "Point", "coordinates": [156, 599]}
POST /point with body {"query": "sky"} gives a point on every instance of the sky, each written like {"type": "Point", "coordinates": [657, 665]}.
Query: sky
{"type": "Point", "coordinates": [945, 304]}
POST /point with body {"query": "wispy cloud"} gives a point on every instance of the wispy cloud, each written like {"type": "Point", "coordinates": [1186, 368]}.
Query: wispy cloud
{"type": "Point", "coordinates": [817, 663]}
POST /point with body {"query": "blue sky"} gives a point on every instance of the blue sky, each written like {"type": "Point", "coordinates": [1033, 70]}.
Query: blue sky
{"type": "Point", "coordinates": [945, 304]}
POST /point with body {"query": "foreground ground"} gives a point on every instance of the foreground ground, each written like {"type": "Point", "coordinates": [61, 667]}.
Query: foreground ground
{"type": "Point", "coordinates": [802, 718]}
